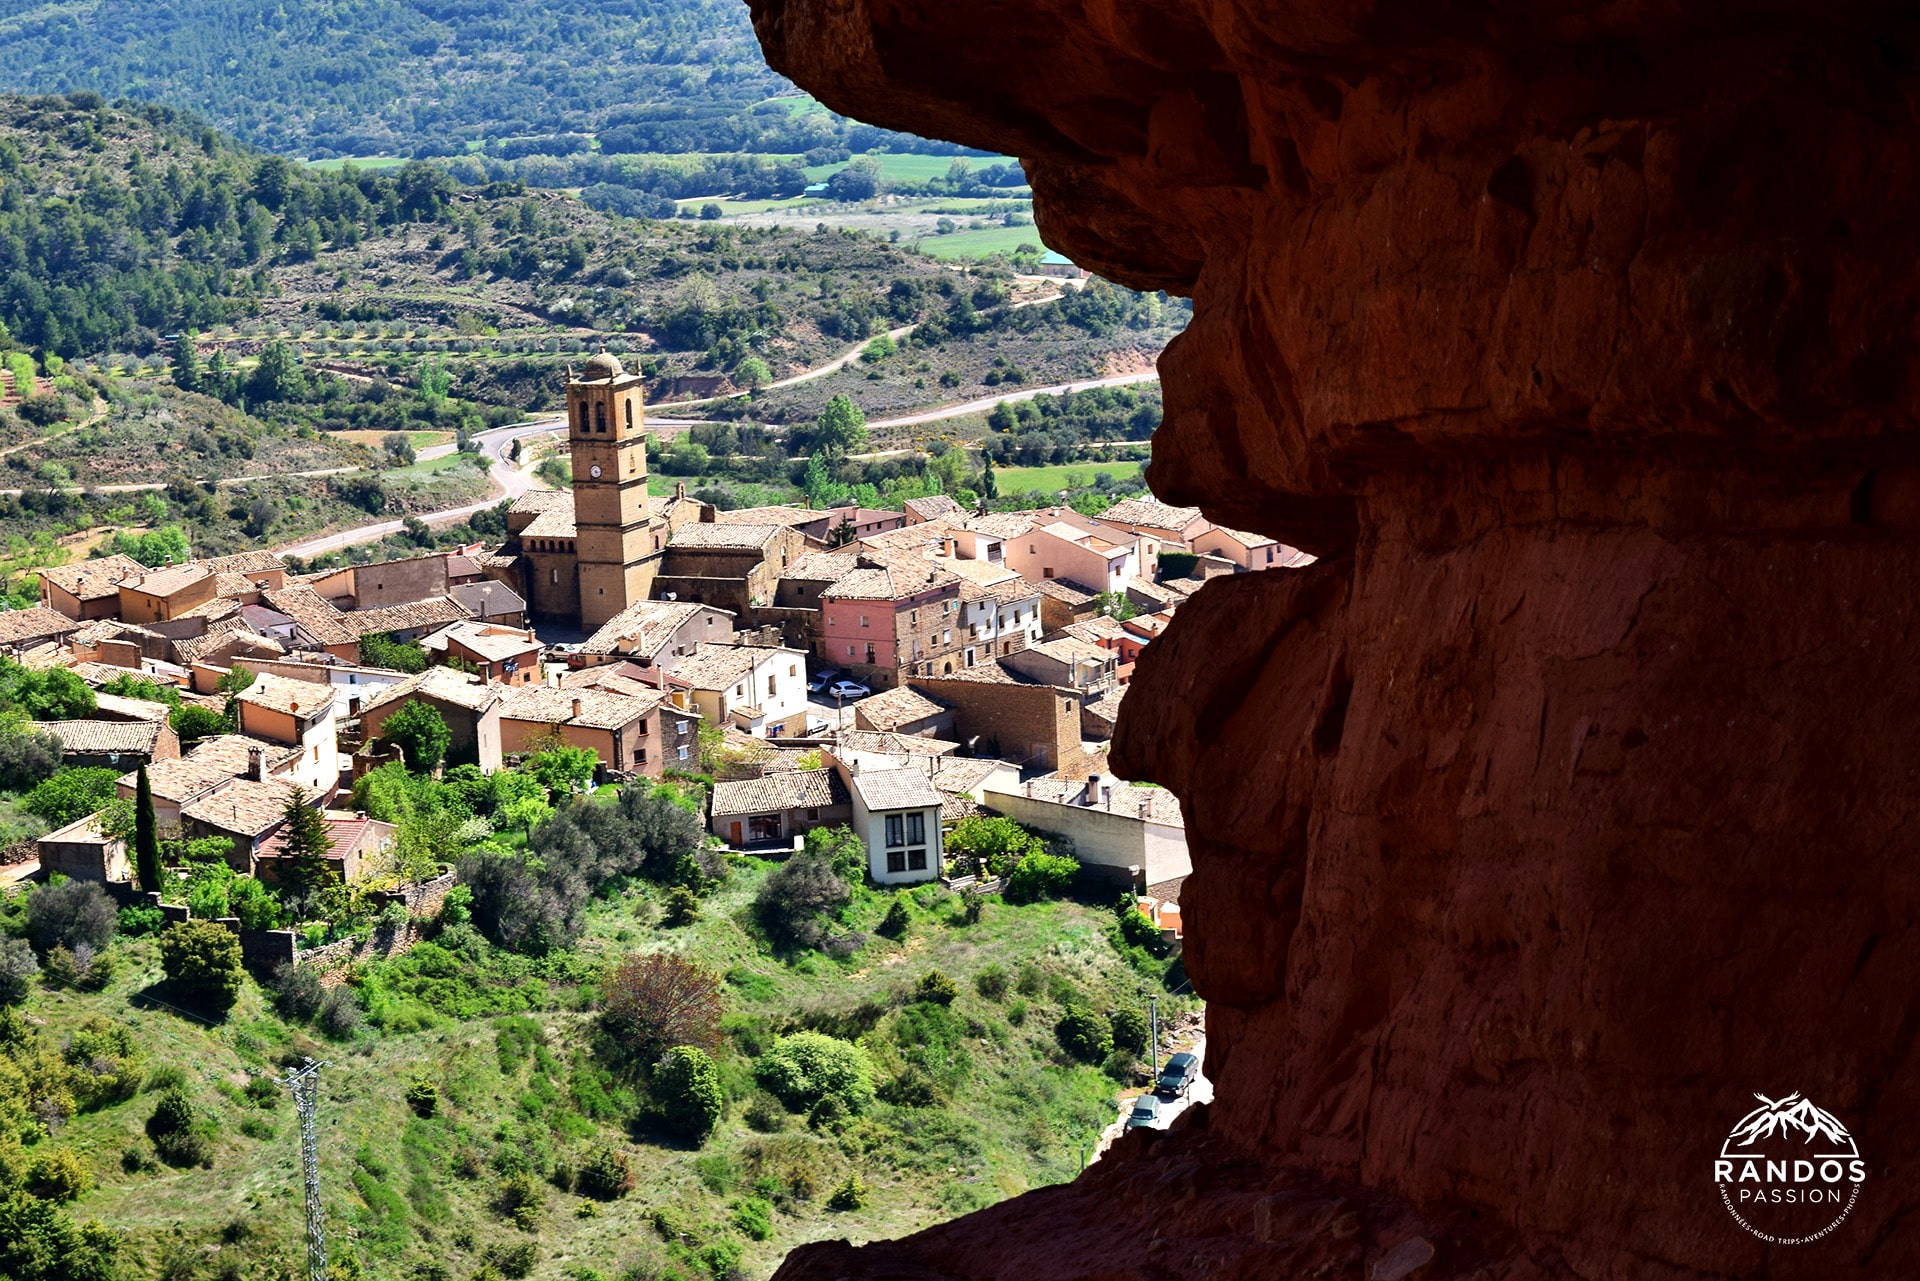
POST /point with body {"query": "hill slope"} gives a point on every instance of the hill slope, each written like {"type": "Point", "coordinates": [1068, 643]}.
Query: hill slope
{"type": "Point", "coordinates": [414, 77]}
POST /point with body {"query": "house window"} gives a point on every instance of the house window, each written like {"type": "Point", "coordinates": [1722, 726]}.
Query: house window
{"type": "Point", "coordinates": [869, 653]}
{"type": "Point", "coordinates": [895, 830]}
{"type": "Point", "coordinates": [969, 658]}
{"type": "Point", "coordinates": [813, 811]}
{"type": "Point", "coordinates": [683, 751]}
{"type": "Point", "coordinates": [769, 687]}
{"type": "Point", "coordinates": [1047, 572]}
{"type": "Point", "coordinates": [629, 415]}
{"type": "Point", "coordinates": [946, 638]}
{"type": "Point", "coordinates": [740, 691]}
{"type": "Point", "coordinates": [916, 860]}
{"type": "Point", "coordinates": [863, 620]}
{"type": "Point", "coordinates": [897, 860]}
{"type": "Point", "coordinates": [916, 828]}
{"type": "Point", "coordinates": [556, 575]}
{"type": "Point", "coordinates": [640, 757]}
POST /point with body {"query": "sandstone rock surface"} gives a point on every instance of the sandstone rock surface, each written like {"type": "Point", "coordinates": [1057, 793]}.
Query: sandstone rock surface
{"type": "Point", "coordinates": [1570, 798]}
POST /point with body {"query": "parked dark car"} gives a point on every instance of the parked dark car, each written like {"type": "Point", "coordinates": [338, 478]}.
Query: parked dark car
{"type": "Point", "coordinates": [821, 679]}
{"type": "Point", "coordinates": [1146, 1111]}
{"type": "Point", "coordinates": [1177, 1078]}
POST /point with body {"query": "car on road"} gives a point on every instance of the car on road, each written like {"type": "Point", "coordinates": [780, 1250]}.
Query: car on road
{"type": "Point", "coordinates": [848, 689]}
{"type": "Point", "coordinates": [1145, 1114]}
{"type": "Point", "coordinates": [821, 679]}
{"type": "Point", "coordinates": [1177, 1077]}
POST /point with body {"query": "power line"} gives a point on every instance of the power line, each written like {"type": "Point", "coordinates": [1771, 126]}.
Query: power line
{"type": "Point", "coordinates": [303, 1082]}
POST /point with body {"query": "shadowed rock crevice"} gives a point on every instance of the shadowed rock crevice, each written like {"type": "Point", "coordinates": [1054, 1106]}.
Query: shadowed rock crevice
{"type": "Point", "coordinates": [1567, 800]}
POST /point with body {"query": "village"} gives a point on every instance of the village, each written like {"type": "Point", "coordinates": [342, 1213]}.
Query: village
{"type": "Point", "coordinates": [893, 672]}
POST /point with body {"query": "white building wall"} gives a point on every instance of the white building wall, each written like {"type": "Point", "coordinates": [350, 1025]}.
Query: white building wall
{"type": "Point", "coordinates": [1100, 838]}
{"type": "Point", "coordinates": [871, 825]}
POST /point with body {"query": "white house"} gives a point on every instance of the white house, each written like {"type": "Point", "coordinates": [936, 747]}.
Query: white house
{"type": "Point", "coordinates": [1249, 551]}
{"type": "Point", "coordinates": [1135, 834]}
{"type": "Point", "coordinates": [897, 813]}
{"type": "Point", "coordinates": [760, 689]}
{"type": "Point", "coordinates": [299, 714]}
{"type": "Point", "coordinates": [1104, 561]}
{"type": "Point", "coordinates": [999, 610]}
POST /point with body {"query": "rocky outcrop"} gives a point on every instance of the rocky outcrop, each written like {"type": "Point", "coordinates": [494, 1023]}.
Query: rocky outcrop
{"type": "Point", "coordinates": [1568, 799]}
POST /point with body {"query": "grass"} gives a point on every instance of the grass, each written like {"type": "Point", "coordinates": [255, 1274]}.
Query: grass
{"type": "Point", "coordinates": [403, 1189]}
{"type": "Point", "coordinates": [359, 162]}
{"type": "Point", "coordinates": [428, 468]}
{"type": "Point", "coordinates": [378, 439]}
{"type": "Point", "coordinates": [744, 206]}
{"type": "Point", "coordinates": [980, 244]}
{"type": "Point", "coordinates": [1048, 480]}
{"type": "Point", "coordinates": [901, 167]}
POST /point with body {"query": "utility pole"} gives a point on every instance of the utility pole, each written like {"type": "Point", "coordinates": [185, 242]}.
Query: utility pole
{"type": "Point", "coordinates": [1153, 1012]}
{"type": "Point", "coordinates": [302, 1082]}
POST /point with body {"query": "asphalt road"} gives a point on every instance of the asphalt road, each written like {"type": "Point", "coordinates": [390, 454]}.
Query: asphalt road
{"type": "Point", "coordinates": [1012, 397]}
{"type": "Point", "coordinates": [1201, 1092]}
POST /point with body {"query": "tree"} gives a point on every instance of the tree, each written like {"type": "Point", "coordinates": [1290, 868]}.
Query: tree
{"type": "Point", "coordinates": [399, 448]}
{"type": "Point", "coordinates": [18, 965]}
{"type": "Point", "coordinates": [688, 1087]}
{"type": "Point", "coordinates": [661, 1000]}
{"type": "Point", "coordinates": [803, 1069]}
{"type": "Point", "coordinates": [1041, 876]}
{"type": "Point", "coordinates": [435, 382]}
{"type": "Point", "coordinates": [935, 988]}
{"type": "Point", "coordinates": [194, 722]}
{"type": "Point", "coordinates": [306, 841]}
{"type": "Point", "coordinates": [1129, 1030]}
{"type": "Point", "coordinates": [894, 926]}
{"type": "Point", "coordinates": [841, 428]}
{"type": "Point", "coordinates": [859, 180]}
{"type": "Point", "coordinates": [711, 212]}
{"type": "Point", "coordinates": [146, 835]}
{"type": "Point", "coordinates": [203, 959]}
{"type": "Point", "coordinates": [1084, 1034]}
{"type": "Point", "coordinates": [186, 362]}
{"type": "Point", "coordinates": [72, 794]}
{"type": "Point", "coordinates": [69, 915]}
{"type": "Point", "coordinates": [380, 649]}
{"type": "Point", "coordinates": [607, 1174]}
{"type": "Point", "coordinates": [27, 756]}
{"type": "Point", "coordinates": [792, 903]}
{"type": "Point", "coordinates": [420, 732]}
{"type": "Point", "coordinates": [997, 843]}
{"type": "Point", "coordinates": [752, 373]}
{"type": "Point", "coordinates": [278, 376]}
{"type": "Point", "coordinates": [55, 694]}
{"type": "Point", "coordinates": [176, 1128]}
{"type": "Point", "coordinates": [40, 1243]}
{"type": "Point", "coordinates": [563, 770]}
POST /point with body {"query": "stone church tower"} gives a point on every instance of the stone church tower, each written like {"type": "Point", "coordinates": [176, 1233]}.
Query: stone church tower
{"type": "Point", "coordinates": [618, 537]}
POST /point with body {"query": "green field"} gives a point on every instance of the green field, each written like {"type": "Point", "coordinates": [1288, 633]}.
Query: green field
{"type": "Point", "coordinates": [731, 207]}
{"type": "Point", "coordinates": [358, 162]}
{"type": "Point", "coordinates": [1048, 480]}
{"type": "Point", "coordinates": [980, 244]}
{"type": "Point", "coordinates": [900, 167]}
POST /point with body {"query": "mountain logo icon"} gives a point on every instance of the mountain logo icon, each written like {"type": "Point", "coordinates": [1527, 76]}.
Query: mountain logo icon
{"type": "Point", "coordinates": [1789, 1171]}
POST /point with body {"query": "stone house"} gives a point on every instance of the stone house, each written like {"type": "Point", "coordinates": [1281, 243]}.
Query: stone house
{"type": "Point", "coordinates": [87, 589]}
{"type": "Point", "coordinates": [296, 714]}
{"type": "Point", "coordinates": [643, 732]}
{"type": "Point", "coordinates": [773, 809]}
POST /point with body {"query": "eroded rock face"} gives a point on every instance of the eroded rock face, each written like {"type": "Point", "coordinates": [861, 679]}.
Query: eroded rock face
{"type": "Point", "coordinates": [1570, 798]}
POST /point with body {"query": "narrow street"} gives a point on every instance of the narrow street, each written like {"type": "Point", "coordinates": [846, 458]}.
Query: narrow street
{"type": "Point", "coordinates": [1201, 1092]}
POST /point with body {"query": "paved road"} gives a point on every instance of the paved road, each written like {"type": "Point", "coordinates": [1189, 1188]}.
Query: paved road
{"type": "Point", "coordinates": [1202, 1092]}
{"type": "Point", "coordinates": [509, 482]}
{"type": "Point", "coordinates": [1012, 397]}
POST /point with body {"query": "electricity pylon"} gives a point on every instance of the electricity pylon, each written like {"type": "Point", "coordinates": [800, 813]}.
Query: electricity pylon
{"type": "Point", "coordinates": [303, 1081]}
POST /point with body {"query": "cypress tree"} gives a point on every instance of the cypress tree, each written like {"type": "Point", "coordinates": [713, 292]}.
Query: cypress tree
{"type": "Point", "coordinates": [146, 837]}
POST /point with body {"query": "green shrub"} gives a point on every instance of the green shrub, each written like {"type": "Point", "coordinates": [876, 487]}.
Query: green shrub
{"type": "Point", "coordinates": [1041, 876]}
{"type": "Point", "coordinates": [1084, 1034]}
{"type": "Point", "coordinates": [72, 794]}
{"type": "Point", "coordinates": [521, 1200]}
{"type": "Point", "coordinates": [754, 1217]}
{"type": "Point", "coordinates": [897, 920]}
{"type": "Point", "coordinates": [60, 1175]}
{"type": "Point", "coordinates": [765, 1114]}
{"type": "Point", "coordinates": [203, 959]}
{"type": "Point", "coordinates": [1129, 1030]}
{"type": "Point", "coordinates": [1017, 1011]}
{"type": "Point", "coordinates": [991, 983]}
{"type": "Point", "coordinates": [688, 1087]}
{"type": "Point", "coordinates": [852, 1194]}
{"type": "Point", "coordinates": [297, 992]}
{"type": "Point", "coordinates": [141, 920]}
{"type": "Point", "coordinates": [423, 1096]}
{"type": "Point", "coordinates": [515, 1259]}
{"type": "Point", "coordinates": [177, 1132]}
{"type": "Point", "coordinates": [17, 969]}
{"type": "Point", "coordinates": [339, 1017]}
{"type": "Point", "coordinates": [682, 908]}
{"type": "Point", "coordinates": [935, 988]}
{"type": "Point", "coordinates": [106, 1062]}
{"type": "Point", "coordinates": [605, 1175]}
{"type": "Point", "coordinates": [806, 1068]}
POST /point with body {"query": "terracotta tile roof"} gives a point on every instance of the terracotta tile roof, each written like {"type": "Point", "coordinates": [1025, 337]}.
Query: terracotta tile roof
{"type": "Point", "coordinates": [963, 773]}
{"type": "Point", "coordinates": [1016, 589]}
{"type": "Point", "coordinates": [554, 521]}
{"type": "Point", "coordinates": [494, 560]}
{"type": "Point", "coordinates": [487, 599]}
{"type": "Point", "coordinates": [99, 738]}
{"type": "Point", "coordinates": [491, 641]}
{"type": "Point", "coordinates": [313, 613]}
{"type": "Point", "coordinates": [106, 629]}
{"type": "Point", "coordinates": [181, 780]}
{"type": "Point", "coordinates": [92, 579]}
{"type": "Point", "coordinates": [432, 612]}
{"type": "Point", "coordinates": [232, 754]}
{"type": "Point", "coordinates": [642, 627]}
{"type": "Point", "coordinates": [787, 790]}
{"type": "Point", "coordinates": [36, 624]}
{"type": "Point", "coordinates": [892, 708]}
{"type": "Point", "coordinates": [441, 684]}
{"type": "Point", "coordinates": [987, 673]}
{"type": "Point", "coordinates": [243, 563]}
{"type": "Point", "coordinates": [789, 516]}
{"type": "Point", "coordinates": [1242, 537]}
{"type": "Point", "coordinates": [820, 567]}
{"type": "Point", "coordinates": [540, 500]}
{"type": "Point", "coordinates": [934, 507]}
{"type": "Point", "coordinates": [720, 666]}
{"type": "Point", "coordinates": [1107, 706]}
{"type": "Point", "coordinates": [1000, 524]}
{"type": "Point", "coordinates": [235, 585]}
{"type": "Point", "coordinates": [923, 539]}
{"type": "Point", "coordinates": [1094, 630]}
{"type": "Point", "coordinates": [1150, 512]}
{"type": "Point", "coordinates": [1066, 590]}
{"type": "Point", "coordinates": [544, 705]}
{"type": "Point", "coordinates": [349, 835]}
{"type": "Point", "coordinates": [985, 573]}
{"type": "Point", "coordinates": [885, 742]}
{"type": "Point", "coordinates": [1069, 649]}
{"type": "Point", "coordinates": [221, 641]}
{"type": "Point", "coordinates": [166, 582]}
{"type": "Point", "coordinates": [215, 609]}
{"type": "Point", "coordinates": [895, 581]}
{"type": "Point", "coordinates": [304, 699]}
{"type": "Point", "coordinates": [1149, 804]}
{"type": "Point", "coordinates": [243, 807]}
{"type": "Point", "coordinates": [135, 709]}
{"type": "Point", "coordinates": [1152, 591]}
{"type": "Point", "coordinates": [704, 537]}
{"type": "Point", "coordinates": [894, 789]}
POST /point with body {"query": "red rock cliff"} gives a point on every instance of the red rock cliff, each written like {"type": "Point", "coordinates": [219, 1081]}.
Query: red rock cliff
{"type": "Point", "coordinates": [1571, 797]}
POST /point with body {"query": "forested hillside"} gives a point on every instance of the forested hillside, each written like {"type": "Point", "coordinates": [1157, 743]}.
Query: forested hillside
{"type": "Point", "coordinates": [414, 77]}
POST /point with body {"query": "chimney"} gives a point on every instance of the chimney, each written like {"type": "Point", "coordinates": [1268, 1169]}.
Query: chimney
{"type": "Point", "coordinates": [853, 766]}
{"type": "Point", "coordinates": [1092, 795]}
{"type": "Point", "coordinates": [576, 709]}
{"type": "Point", "coordinates": [257, 764]}
{"type": "Point", "coordinates": [680, 491]}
